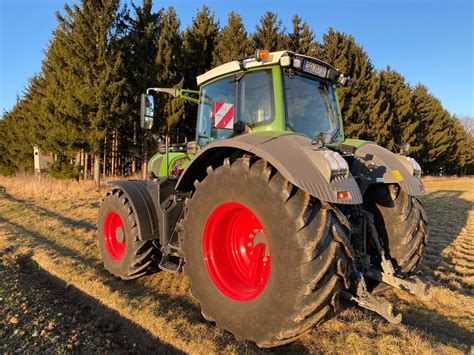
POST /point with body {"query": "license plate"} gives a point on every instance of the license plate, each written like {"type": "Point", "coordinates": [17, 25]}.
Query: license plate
{"type": "Point", "coordinates": [315, 69]}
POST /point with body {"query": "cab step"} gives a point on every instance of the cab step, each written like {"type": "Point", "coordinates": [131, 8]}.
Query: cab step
{"type": "Point", "coordinates": [172, 266]}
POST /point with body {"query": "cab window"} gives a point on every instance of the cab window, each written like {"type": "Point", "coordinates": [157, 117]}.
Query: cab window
{"type": "Point", "coordinates": [217, 111]}
{"type": "Point", "coordinates": [256, 97]}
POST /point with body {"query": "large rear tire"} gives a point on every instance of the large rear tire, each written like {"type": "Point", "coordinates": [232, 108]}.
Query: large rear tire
{"type": "Point", "coordinates": [401, 222]}
{"type": "Point", "coordinates": [123, 254]}
{"type": "Point", "coordinates": [265, 260]}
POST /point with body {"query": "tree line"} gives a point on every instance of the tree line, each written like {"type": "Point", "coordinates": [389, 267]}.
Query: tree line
{"type": "Point", "coordinates": [83, 105]}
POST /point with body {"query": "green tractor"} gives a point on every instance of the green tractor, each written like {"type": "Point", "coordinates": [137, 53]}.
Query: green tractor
{"type": "Point", "coordinates": [271, 212]}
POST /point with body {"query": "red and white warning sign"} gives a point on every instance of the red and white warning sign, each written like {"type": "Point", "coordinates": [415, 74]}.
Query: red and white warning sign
{"type": "Point", "coordinates": [224, 115]}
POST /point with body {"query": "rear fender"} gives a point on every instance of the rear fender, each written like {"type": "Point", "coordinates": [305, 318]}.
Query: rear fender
{"type": "Point", "coordinates": [294, 156]}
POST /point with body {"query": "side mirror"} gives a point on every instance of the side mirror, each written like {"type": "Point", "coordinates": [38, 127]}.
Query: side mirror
{"type": "Point", "coordinates": [345, 81]}
{"type": "Point", "coordinates": [404, 148]}
{"type": "Point", "coordinates": [147, 111]}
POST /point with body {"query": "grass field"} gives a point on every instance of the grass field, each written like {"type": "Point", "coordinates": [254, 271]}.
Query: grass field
{"type": "Point", "coordinates": [56, 296]}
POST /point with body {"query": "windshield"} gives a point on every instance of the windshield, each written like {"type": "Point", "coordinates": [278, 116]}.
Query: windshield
{"type": "Point", "coordinates": [311, 106]}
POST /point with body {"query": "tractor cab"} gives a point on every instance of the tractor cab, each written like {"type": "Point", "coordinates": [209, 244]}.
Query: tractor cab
{"type": "Point", "coordinates": [280, 92]}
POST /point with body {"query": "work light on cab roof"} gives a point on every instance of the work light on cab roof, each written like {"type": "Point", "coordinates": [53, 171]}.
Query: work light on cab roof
{"type": "Point", "coordinates": [269, 209]}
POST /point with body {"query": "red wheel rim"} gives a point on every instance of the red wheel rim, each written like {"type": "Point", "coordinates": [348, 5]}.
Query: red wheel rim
{"type": "Point", "coordinates": [114, 235]}
{"type": "Point", "coordinates": [236, 251]}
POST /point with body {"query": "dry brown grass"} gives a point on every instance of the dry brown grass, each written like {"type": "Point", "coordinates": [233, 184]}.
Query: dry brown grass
{"type": "Point", "coordinates": [54, 222]}
{"type": "Point", "coordinates": [45, 187]}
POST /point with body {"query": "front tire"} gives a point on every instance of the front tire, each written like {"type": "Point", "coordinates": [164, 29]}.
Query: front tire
{"type": "Point", "coordinates": [401, 222]}
{"type": "Point", "coordinates": [123, 254]}
{"type": "Point", "coordinates": [241, 210]}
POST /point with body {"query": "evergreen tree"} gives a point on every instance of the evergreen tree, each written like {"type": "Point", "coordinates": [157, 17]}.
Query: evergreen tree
{"type": "Point", "coordinates": [431, 133]}
{"type": "Point", "coordinates": [270, 34]}
{"type": "Point", "coordinates": [94, 68]}
{"type": "Point", "coordinates": [16, 148]}
{"type": "Point", "coordinates": [199, 41]}
{"type": "Point", "coordinates": [377, 119]}
{"type": "Point", "coordinates": [232, 41]}
{"type": "Point", "coordinates": [198, 45]}
{"type": "Point", "coordinates": [341, 51]}
{"type": "Point", "coordinates": [468, 133]}
{"type": "Point", "coordinates": [60, 115]}
{"type": "Point", "coordinates": [169, 62]}
{"type": "Point", "coordinates": [402, 124]}
{"type": "Point", "coordinates": [301, 39]}
{"type": "Point", "coordinates": [141, 46]}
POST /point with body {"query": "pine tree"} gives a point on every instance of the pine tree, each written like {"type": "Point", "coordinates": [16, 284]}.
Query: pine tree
{"type": "Point", "coordinates": [341, 51]}
{"type": "Point", "coordinates": [270, 34]}
{"type": "Point", "coordinates": [16, 150]}
{"type": "Point", "coordinates": [59, 112]}
{"type": "Point", "coordinates": [198, 45]}
{"type": "Point", "coordinates": [458, 152]}
{"type": "Point", "coordinates": [232, 41]}
{"type": "Point", "coordinates": [402, 123]}
{"type": "Point", "coordinates": [94, 68]}
{"type": "Point", "coordinates": [377, 119]}
{"type": "Point", "coordinates": [199, 41]}
{"type": "Point", "coordinates": [169, 63]}
{"type": "Point", "coordinates": [468, 133]}
{"type": "Point", "coordinates": [141, 46]}
{"type": "Point", "coordinates": [301, 39]}
{"type": "Point", "coordinates": [18, 130]}
{"type": "Point", "coordinates": [432, 131]}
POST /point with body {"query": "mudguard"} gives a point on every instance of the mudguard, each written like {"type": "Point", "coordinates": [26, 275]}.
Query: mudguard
{"type": "Point", "coordinates": [142, 205]}
{"type": "Point", "coordinates": [389, 168]}
{"type": "Point", "coordinates": [294, 156]}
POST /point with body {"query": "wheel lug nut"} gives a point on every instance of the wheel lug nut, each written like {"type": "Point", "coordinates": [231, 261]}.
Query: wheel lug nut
{"type": "Point", "coordinates": [251, 235]}
{"type": "Point", "coordinates": [255, 230]}
{"type": "Point", "coordinates": [249, 244]}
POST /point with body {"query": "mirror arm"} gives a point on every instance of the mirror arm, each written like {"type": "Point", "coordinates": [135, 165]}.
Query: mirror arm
{"type": "Point", "coordinates": [181, 93]}
{"type": "Point", "coordinates": [172, 92]}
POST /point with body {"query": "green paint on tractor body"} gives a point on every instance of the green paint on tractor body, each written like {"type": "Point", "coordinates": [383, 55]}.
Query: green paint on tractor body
{"type": "Point", "coordinates": [356, 143]}
{"type": "Point", "coordinates": [157, 163]}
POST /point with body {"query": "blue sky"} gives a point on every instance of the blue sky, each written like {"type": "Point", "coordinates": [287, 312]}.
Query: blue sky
{"type": "Point", "coordinates": [426, 41]}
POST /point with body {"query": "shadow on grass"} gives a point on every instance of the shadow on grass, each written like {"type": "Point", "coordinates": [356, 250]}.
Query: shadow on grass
{"type": "Point", "coordinates": [41, 211]}
{"type": "Point", "coordinates": [438, 327]}
{"type": "Point", "coordinates": [447, 216]}
{"type": "Point", "coordinates": [170, 307]}
{"type": "Point", "coordinates": [92, 310]}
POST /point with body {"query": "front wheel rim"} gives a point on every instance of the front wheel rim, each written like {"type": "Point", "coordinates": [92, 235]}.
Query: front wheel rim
{"type": "Point", "coordinates": [236, 251]}
{"type": "Point", "coordinates": [114, 235]}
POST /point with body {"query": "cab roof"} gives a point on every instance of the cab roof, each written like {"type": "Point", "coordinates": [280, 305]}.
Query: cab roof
{"type": "Point", "coordinates": [279, 57]}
